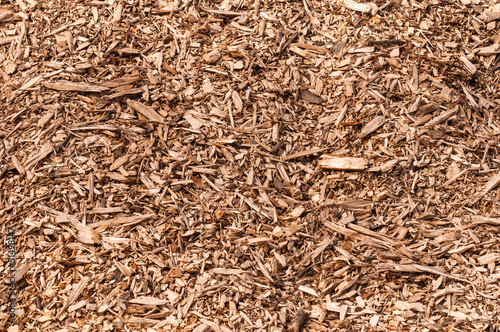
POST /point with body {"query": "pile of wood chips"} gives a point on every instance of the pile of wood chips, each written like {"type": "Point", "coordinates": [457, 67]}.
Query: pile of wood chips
{"type": "Point", "coordinates": [250, 165]}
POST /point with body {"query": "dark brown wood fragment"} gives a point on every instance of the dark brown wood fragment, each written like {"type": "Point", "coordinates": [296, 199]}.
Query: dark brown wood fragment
{"type": "Point", "coordinates": [310, 97]}
{"type": "Point", "coordinates": [298, 321]}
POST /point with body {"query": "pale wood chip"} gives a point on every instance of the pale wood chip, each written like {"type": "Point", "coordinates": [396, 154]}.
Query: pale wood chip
{"type": "Point", "coordinates": [224, 271]}
{"type": "Point", "coordinates": [372, 126]}
{"type": "Point", "coordinates": [77, 290]}
{"type": "Point", "coordinates": [490, 185]}
{"type": "Point", "coordinates": [488, 16]}
{"type": "Point", "coordinates": [146, 111]}
{"type": "Point", "coordinates": [329, 161]}
{"type": "Point", "coordinates": [75, 86]}
{"type": "Point", "coordinates": [308, 290]}
{"type": "Point", "coordinates": [442, 117]}
{"type": "Point", "coordinates": [303, 154]}
{"type": "Point", "coordinates": [35, 158]}
{"type": "Point", "coordinates": [148, 300]}
{"type": "Point", "coordinates": [360, 7]}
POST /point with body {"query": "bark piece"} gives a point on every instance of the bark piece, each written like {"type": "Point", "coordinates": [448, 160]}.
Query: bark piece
{"type": "Point", "coordinates": [310, 97]}
{"type": "Point", "coordinates": [212, 57]}
{"type": "Point", "coordinates": [298, 321]}
{"type": "Point", "coordinates": [128, 52]}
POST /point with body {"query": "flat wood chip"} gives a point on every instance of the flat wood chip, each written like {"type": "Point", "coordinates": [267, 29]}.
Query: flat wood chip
{"type": "Point", "coordinates": [75, 86]}
{"type": "Point", "coordinates": [146, 111]}
{"type": "Point", "coordinates": [329, 161]}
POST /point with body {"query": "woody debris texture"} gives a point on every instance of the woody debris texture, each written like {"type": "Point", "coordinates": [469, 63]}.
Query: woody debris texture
{"type": "Point", "coordinates": [250, 165]}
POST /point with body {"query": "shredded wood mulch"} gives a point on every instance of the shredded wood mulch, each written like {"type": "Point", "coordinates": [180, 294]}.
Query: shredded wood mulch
{"type": "Point", "coordinates": [250, 165]}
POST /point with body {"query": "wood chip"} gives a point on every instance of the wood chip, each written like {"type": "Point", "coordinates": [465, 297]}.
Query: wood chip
{"type": "Point", "coordinates": [442, 117]}
{"type": "Point", "coordinates": [303, 154]}
{"type": "Point", "coordinates": [310, 97]}
{"type": "Point", "coordinates": [329, 161]}
{"type": "Point", "coordinates": [372, 126]}
{"type": "Point", "coordinates": [148, 300]}
{"type": "Point", "coordinates": [75, 86]}
{"type": "Point", "coordinates": [492, 183]}
{"type": "Point", "coordinates": [488, 16]}
{"type": "Point", "coordinates": [360, 7]}
{"type": "Point", "coordinates": [146, 111]}
{"type": "Point", "coordinates": [77, 290]}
